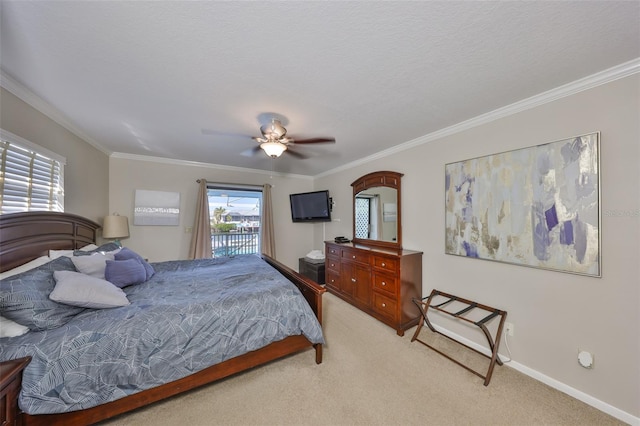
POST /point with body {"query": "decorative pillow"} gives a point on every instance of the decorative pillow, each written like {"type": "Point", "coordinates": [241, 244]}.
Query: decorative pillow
{"type": "Point", "coordinates": [24, 298]}
{"type": "Point", "coordinates": [9, 328]}
{"type": "Point", "coordinates": [93, 265]}
{"type": "Point", "coordinates": [122, 273]}
{"type": "Point", "coordinates": [126, 253]}
{"type": "Point", "coordinates": [76, 289]}
{"type": "Point", "coordinates": [26, 267]}
{"type": "Point", "coordinates": [89, 247]}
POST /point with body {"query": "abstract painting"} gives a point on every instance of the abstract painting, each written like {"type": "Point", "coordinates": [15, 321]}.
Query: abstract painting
{"type": "Point", "coordinates": [156, 208]}
{"type": "Point", "coordinates": [536, 206]}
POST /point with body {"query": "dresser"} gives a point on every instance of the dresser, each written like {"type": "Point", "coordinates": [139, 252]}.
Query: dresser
{"type": "Point", "coordinates": [381, 282]}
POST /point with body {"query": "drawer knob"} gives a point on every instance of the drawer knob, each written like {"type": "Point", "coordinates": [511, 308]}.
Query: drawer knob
{"type": "Point", "coordinates": [384, 264]}
{"type": "Point", "coordinates": [384, 305]}
{"type": "Point", "coordinates": [383, 283]}
{"type": "Point", "coordinates": [333, 264]}
{"type": "Point", "coordinates": [353, 279]}
{"type": "Point", "coordinates": [354, 256]}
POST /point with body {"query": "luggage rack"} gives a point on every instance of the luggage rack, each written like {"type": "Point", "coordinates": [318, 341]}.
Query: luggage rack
{"type": "Point", "coordinates": [459, 314]}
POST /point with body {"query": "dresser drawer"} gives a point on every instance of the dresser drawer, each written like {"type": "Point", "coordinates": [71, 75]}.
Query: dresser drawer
{"type": "Point", "coordinates": [333, 251]}
{"type": "Point", "coordinates": [385, 282]}
{"type": "Point", "coordinates": [333, 264]}
{"type": "Point", "coordinates": [385, 263]}
{"type": "Point", "coordinates": [333, 278]}
{"type": "Point", "coordinates": [384, 305]}
{"type": "Point", "coordinates": [355, 256]}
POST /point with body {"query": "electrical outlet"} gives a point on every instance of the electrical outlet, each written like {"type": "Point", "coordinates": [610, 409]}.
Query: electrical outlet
{"type": "Point", "coordinates": [509, 328]}
{"type": "Point", "coordinates": [585, 358]}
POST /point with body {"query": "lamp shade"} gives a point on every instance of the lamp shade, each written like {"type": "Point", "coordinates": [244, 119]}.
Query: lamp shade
{"type": "Point", "coordinates": [115, 227]}
{"type": "Point", "coordinates": [273, 149]}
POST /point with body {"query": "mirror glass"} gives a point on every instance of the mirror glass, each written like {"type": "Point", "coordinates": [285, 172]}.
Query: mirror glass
{"type": "Point", "coordinates": [377, 210]}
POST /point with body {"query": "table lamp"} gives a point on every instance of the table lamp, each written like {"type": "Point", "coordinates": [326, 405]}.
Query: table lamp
{"type": "Point", "coordinates": [115, 226]}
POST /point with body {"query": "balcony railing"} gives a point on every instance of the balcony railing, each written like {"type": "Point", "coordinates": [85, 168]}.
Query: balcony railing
{"type": "Point", "coordinates": [232, 243]}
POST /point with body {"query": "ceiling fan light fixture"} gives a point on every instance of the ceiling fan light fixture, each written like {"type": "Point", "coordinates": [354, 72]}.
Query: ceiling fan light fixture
{"type": "Point", "coordinates": [273, 149]}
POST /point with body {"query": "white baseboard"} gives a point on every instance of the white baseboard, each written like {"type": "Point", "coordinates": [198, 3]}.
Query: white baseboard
{"type": "Point", "coordinates": [562, 387]}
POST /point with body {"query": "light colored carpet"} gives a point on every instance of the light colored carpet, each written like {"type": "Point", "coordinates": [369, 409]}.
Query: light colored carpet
{"type": "Point", "coordinates": [370, 376]}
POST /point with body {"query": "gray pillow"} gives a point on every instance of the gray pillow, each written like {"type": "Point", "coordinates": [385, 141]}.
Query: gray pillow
{"type": "Point", "coordinates": [122, 273]}
{"type": "Point", "coordinates": [24, 298]}
{"type": "Point", "coordinates": [74, 288]}
{"type": "Point", "coordinates": [93, 265]}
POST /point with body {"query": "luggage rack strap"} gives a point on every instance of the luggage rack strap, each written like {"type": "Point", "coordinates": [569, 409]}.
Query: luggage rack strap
{"type": "Point", "coordinates": [425, 303]}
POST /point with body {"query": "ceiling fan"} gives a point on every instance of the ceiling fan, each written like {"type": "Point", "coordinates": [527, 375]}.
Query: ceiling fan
{"type": "Point", "coordinates": [274, 140]}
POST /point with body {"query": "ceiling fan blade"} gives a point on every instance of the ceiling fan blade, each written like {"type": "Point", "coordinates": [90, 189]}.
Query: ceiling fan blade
{"type": "Point", "coordinates": [295, 154]}
{"type": "Point", "coordinates": [251, 151]}
{"type": "Point", "coordinates": [313, 140]}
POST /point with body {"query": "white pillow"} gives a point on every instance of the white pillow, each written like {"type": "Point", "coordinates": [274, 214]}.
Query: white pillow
{"type": "Point", "coordinates": [26, 267]}
{"type": "Point", "coordinates": [76, 289]}
{"type": "Point", "coordinates": [54, 254]}
{"type": "Point", "coordinates": [92, 265]}
{"type": "Point", "coordinates": [9, 328]}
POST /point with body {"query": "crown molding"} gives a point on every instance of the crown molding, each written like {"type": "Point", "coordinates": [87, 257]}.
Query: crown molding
{"type": "Point", "coordinates": [603, 77]}
{"type": "Point", "coordinates": [172, 161]}
{"type": "Point", "coordinates": [623, 70]}
{"type": "Point", "coordinates": [11, 85]}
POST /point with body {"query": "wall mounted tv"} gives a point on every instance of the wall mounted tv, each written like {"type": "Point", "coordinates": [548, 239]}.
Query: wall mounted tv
{"type": "Point", "coordinates": [311, 206]}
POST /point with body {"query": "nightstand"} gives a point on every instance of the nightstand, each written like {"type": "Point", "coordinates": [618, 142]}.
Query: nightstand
{"type": "Point", "coordinates": [315, 271]}
{"type": "Point", "coordinates": [10, 381]}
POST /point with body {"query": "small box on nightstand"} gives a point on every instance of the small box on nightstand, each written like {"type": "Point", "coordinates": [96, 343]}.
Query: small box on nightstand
{"type": "Point", "coordinates": [312, 269]}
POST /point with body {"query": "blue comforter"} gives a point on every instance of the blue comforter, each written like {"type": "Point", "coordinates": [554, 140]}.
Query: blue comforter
{"type": "Point", "coordinates": [188, 316]}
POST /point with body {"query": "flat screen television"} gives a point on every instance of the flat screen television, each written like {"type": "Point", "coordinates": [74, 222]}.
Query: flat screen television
{"type": "Point", "coordinates": [311, 206]}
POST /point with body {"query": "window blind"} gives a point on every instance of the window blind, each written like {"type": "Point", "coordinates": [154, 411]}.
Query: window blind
{"type": "Point", "coordinates": [29, 180]}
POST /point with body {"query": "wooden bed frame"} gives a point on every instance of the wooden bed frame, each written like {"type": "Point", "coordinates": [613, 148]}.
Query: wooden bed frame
{"type": "Point", "coordinates": [26, 236]}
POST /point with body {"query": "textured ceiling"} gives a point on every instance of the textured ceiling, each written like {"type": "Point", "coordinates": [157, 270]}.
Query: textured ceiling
{"type": "Point", "coordinates": [194, 80]}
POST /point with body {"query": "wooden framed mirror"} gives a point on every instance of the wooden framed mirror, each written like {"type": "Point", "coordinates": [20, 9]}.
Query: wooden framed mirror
{"type": "Point", "coordinates": [377, 218]}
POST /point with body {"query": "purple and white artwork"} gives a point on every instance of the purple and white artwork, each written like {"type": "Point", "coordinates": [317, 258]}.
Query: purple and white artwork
{"type": "Point", "coordinates": [537, 206]}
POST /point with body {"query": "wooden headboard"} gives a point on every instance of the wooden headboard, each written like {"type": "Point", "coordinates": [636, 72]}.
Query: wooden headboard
{"type": "Point", "coordinates": [26, 236]}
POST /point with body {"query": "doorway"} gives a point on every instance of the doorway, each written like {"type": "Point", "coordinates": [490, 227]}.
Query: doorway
{"type": "Point", "coordinates": [235, 215]}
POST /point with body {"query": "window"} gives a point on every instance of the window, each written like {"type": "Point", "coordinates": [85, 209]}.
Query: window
{"type": "Point", "coordinates": [31, 177]}
{"type": "Point", "coordinates": [235, 217]}
{"type": "Point", "coordinates": [363, 217]}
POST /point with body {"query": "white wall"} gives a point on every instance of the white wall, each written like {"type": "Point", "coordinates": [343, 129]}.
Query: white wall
{"type": "Point", "coordinates": [87, 170]}
{"type": "Point", "coordinates": [159, 243]}
{"type": "Point", "coordinates": [554, 313]}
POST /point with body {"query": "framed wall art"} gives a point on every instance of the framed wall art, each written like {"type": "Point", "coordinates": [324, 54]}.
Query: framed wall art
{"type": "Point", "coordinates": [389, 212]}
{"type": "Point", "coordinates": [536, 206]}
{"type": "Point", "coordinates": [156, 208]}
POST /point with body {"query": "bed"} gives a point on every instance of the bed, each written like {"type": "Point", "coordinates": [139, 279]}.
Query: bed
{"type": "Point", "coordinates": [174, 334]}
